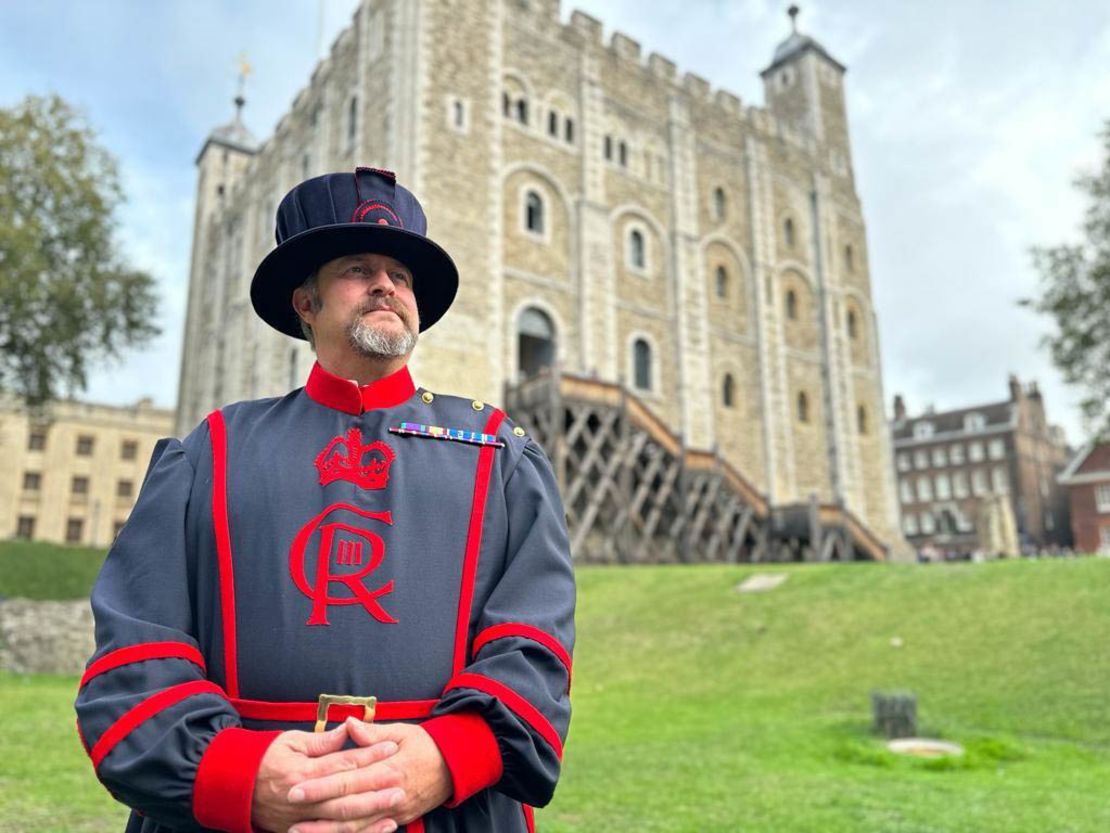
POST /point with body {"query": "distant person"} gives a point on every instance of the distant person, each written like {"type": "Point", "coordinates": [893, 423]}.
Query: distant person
{"type": "Point", "coordinates": [358, 537]}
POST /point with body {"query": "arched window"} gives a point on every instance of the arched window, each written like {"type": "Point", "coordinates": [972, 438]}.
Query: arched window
{"type": "Point", "coordinates": [552, 123]}
{"type": "Point", "coordinates": [719, 203]}
{"type": "Point", "coordinates": [852, 327]}
{"type": "Point", "coordinates": [536, 341]}
{"type": "Point", "coordinates": [622, 154]}
{"type": "Point", "coordinates": [861, 419]}
{"type": "Point", "coordinates": [522, 111]}
{"type": "Point", "coordinates": [728, 391]}
{"type": "Point", "coordinates": [849, 259]}
{"type": "Point", "coordinates": [637, 255]}
{"type": "Point", "coordinates": [803, 407]}
{"type": "Point", "coordinates": [609, 148]}
{"type": "Point", "coordinates": [791, 305]}
{"type": "Point", "coordinates": [459, 114]}
{"type": "Point", "coordinates": [568, 131]}
{"type": "Point", "coordinates": [788, 232]}
{"type": "Point", "coordinates": [722, 282]}
{"type": "Point", "coordinates": [533, 213]}
{"type": "Point", "coordinates": [352, 121]}
{"type": "Point", "coordinates": [641, 364]}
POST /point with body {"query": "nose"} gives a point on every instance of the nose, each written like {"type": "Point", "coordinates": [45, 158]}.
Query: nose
{"type": "Point", "coordinates": [381, 283]}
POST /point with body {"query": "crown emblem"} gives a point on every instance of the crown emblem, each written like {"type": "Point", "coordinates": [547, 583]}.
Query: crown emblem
{"type": "Point", "coordinates": [346, 458]}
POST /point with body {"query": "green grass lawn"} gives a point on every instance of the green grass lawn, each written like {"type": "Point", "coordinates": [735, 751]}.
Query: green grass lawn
{"type": "Point", "coordinates": [34, 570]}
{"type": "Point", "coordinates": [699, 709]}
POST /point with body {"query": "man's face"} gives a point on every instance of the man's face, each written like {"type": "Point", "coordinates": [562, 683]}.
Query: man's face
{"type": "Point", "coordinates": [364, 303]}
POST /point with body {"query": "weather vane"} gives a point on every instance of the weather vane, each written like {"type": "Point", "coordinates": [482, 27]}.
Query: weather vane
{"type": "Point", "coordinates": [793, 12]}
{"type": "Point", "coordinates": [244, 71]}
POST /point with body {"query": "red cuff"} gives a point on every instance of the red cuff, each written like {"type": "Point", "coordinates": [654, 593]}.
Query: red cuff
{"type": "Point", "coordinates": [470, 750]}
{"type": "Point", "coordinates": [224, 789]}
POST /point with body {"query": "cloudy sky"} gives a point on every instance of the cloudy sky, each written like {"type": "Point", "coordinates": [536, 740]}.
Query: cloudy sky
{"type": "Point", "coordinates": [969, 120]}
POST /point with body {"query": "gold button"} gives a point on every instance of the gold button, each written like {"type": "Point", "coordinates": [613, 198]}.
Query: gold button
{"type": "Point", "coordinates": [518, 431]}
{"type": "Point", "coordinates": [427, 397]}
{"type": "Point", "coordinates": [476, 405]}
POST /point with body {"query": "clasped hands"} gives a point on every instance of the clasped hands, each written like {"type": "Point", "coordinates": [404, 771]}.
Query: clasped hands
{"type": "Point", "coordinates": [308, 783]}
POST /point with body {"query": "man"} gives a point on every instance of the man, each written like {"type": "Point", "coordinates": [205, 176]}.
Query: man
{"type": "Point", "coordinates": [357, 537]}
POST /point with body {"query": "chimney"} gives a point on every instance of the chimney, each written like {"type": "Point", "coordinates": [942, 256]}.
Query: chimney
{"type": "Point", "coordinates": [899, 408]}
{"type": "Point", "coordinates": [1016, 393]}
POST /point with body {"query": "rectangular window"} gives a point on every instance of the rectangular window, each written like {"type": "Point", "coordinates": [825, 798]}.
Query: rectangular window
{"type": "Point", "coordinates": [905, 463]}
{"type": "Point", "coordinates": [940, 457]}
{"type": "Point", "coordinates": [75, 527]}
{"type": "Point", "coordinates": [943, 490]}
{"type": "Point", "coordinates": [36, 440]}
{"type": "Point", "coordinates": [997, 449]}
{"type": "Point", "coordinates": [909, 524]}
{"type": "Point", "coordinates": [975, 452]}
{"type": "Point", "coordinates": [32, 481]}
{"type": "Point", "coordinates": [26, 527]}
{"type": "Point", "coordinates": [85, 445]}
{"type": "Point", "coordinates": [924, 489]}
{"type": "Point", "coordinates": [1104, 540]}
{"type": "Point", "coordinates": [1049, 521]}
{"type": "Point", "coordinates": [920, 459]}
{"type": "Point", "coordinates": [79, 485]}
{"type": "Point", "coordinates": [928, 524]}
{"type": "Point", "coordinates": [1102, 497]}
{"type": "Point", "coordinates": [906, 490]}
{"type": "Point", "coordinates": [128, 450]}
{"type": "Point", "coordinates": [956, 454]}
{"type": "Point", "coordinates": [959, 484]}
{"type": "Point", "coordinates": [999, 481]}
{"type": "Point", "coordinates": [979, 482]}
{"type": "Point", "coordinates": [124, 488]}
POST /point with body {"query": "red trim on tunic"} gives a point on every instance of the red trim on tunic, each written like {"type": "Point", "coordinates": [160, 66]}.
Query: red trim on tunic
{"type": "Point", "coordinates": [469, 749]}
{"type": "Point", "coordinates": [514, 702]}
{"type": "Point", "coordinates": [224, 788]}
{"type": "Point", "coordinates": [529, 818]}
{"type": "Point", "coordinates": [509, 629]}
{"type": "Point", "coordinates": [147, 709]}
{"type": "Point", "coordinates": [306, 712]}
{"type": "Point", "coordinates": [140, 653]}
{"type": "Point", "coordinates": [415, 826]}
{"type": "Point", "coordinates": [218, 431]}
{"type": "Point", "coordinates": [345, 395]}
{"type": "Point", "coordinates": [474, 541]}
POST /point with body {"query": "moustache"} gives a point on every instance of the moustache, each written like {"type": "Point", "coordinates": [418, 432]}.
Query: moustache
{"type": "Point", "coordinates": [384, 303]}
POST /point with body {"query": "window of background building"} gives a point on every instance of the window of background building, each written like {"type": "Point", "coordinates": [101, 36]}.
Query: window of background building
{"type": "Point", "coordinates": [975, 422]}
{"type": "Point", "coordinates": [940, 457]}
{"type": "Point", "coordinates": [920, 459]}
{"type": "Point", "coordinates": [79, 485]}
{"type": "Point", "coordinates": [728, 391]}
{"type": "Point", "coordinates": [906, 490]}
{"type": "Point", "coordinates": [1000, 481]}
{"type": "Point", "coordinates": [909, 523]}
{"type": "Point", "coordinates": [533, 213]}
{"type": "Point", "coordinates": [1102, 497]}
{"type": "Point", "coordinates": [1104, 538]}
{"type": "Point", "coordinates": [849, 260]}
{"type": "Point", "coordinates": [852, 329]}
{"type": "Point", "coordinates": [1049, 521]}
{"type": "Point", "coordinates": [928, 523]}
{"type": "Point", "coordinates": [956, 454]}
{"type": "Point", "coordinates": [924, 488]}
{"type": "Point", "coordinates": [944, 490]}
{"type": "Point", "coordinates": [791, 305]}
{"type": "Point", "coordinates": [641, 364]}
{"type": "Point", "coordinates": [36, 440]}
{"type": "Point", "coordinates": [788, 232]}
{"type": "Point", "coordinates": [85, 445]}
{"type": "Point", "coordinates": [975, 452]}
{"type": "Point", "coordinates": [959, 483]}
{"type": "Point", "coordinates": [905, 463]}
{"type": "Point", "coordinates": [803, 407]}
{"type": "Point", "coordinates": [637, 251]}
{"type": "Point", "coordinates": [75, 527]}
{"type": "Point", "coordinates": [128, 450]}
{"type": "Point", "coordinates": [32, 481]}
{"type": "Point", "coordinates": [722, 282]}
{"type": "Point", "coordinates": [923, 430]}
{"type": "Point", "coordinates": [861, 419]}
{"type": "Point", "coordinates": [979, 482]}
{"type": "Point", "coordinates": [719, 203]}
{"type": "Point", "coordinates": [25, 527]}
{"type": "Point", "coordinates": [124, 488]}
{"type": "Point", "coordinates": [997, 449]}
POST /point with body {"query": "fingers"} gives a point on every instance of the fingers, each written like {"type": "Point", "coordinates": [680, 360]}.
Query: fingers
{"type": "Point", "coordinates": [365, 734]}
{"type": "Point", "coordinates": [324, 743]}
{"type": "Point", "coordinates": [362, 808]}
{"type": "Point", "coordinates": [347, 782]}
{"type": "Point", "coordinates": [360, 826]}
{"type": "Point", "coordinates": [350, 760]}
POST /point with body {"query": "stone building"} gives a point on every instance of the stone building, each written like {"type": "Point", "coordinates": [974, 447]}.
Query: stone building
{"type": "Point", "coordinates": [72, 475]}
{"type": "Point", "coordinates": [610, 216]}
{"type": "Point", "coordinates": [949, 461]}
{"type": "Point", "coordinates": [1087, 480]}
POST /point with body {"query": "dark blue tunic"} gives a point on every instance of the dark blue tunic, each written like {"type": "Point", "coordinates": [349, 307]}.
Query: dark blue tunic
{"type": "Point", "coordinates": [316, 544]}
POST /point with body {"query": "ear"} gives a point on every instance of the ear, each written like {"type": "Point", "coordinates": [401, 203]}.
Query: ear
{"type": "Point", "coordinates": [302, 305]}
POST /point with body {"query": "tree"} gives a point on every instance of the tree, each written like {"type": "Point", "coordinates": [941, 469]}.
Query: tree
{"type": "Point", "coordinates": [1075, 294]}
{"type": "Point", "coordinates": [67, 299]}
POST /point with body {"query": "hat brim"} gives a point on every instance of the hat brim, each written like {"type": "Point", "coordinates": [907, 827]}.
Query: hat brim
{"type": "Point", "coordinates": [435, 276]}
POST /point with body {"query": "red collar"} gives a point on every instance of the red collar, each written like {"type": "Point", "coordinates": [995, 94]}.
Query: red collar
{"type": "Point", "coordinates": [344, 395]}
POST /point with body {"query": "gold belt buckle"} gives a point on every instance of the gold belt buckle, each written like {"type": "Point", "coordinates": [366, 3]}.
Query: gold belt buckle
{"type": "Point", "coordinates": [326, 701]}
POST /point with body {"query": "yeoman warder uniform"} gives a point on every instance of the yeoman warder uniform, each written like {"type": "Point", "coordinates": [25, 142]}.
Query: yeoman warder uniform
{"type": "Point", "coordinates": [377, 541]}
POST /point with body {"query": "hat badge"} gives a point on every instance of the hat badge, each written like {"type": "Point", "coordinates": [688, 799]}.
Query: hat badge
{"type": "Point", "coordinates": [376, 211]}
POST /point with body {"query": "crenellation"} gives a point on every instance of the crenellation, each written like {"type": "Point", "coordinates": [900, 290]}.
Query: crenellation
{"type": "Point", "coordinates": [590, 28]}
{"type": "Point", "coordinates": [661, 67]}
{"type": "Point", "coordinates": [728, 102]}
{"type": "Point", "coordinates": [625, 47]}
{"type": "Point", "coordinates": [696, 86]}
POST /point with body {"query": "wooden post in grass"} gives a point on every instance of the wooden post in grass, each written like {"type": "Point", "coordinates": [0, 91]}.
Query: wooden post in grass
{"type": "Point", "coordinates": [895, 713]}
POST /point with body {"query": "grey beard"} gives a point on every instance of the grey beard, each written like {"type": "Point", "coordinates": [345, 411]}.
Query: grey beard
{"type": "Point", "coordinates": [375, 344]}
